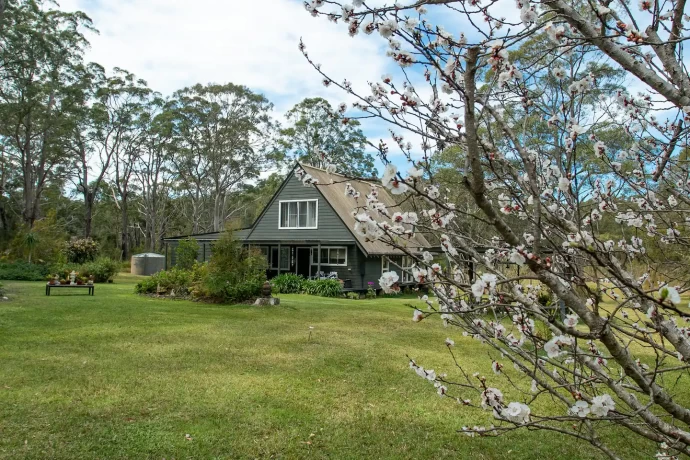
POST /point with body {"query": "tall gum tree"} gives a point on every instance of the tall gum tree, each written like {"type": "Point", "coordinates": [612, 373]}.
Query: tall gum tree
{"type": "Point", "coordinates": [40, 56]}
{"type": "Point", "coordinates": [224, 137]}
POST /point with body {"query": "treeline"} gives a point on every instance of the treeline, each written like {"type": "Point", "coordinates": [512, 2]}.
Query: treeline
{"type": "Point", "coordinates": [96, 153]}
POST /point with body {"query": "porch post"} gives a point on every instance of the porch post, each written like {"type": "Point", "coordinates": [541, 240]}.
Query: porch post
{"type": "Point", "coordinates": [318, 261]}
{"type": "Point", "coordinates": [279, 257]}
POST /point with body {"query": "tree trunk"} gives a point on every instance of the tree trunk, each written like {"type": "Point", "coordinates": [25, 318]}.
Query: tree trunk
{"type": "Point", "coordinates": [124, 248]}
{"type": "Point", "coordinates": [217, 213]}
{"type": "Point", "coordinates": [88, 214]}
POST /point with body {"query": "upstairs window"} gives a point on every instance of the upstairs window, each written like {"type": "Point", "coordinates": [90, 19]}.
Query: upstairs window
{"type": "Point", "coordinates": [298, 214]}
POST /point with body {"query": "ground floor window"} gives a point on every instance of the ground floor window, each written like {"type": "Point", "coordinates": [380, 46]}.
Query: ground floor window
{"type": "Point", "coordinates": [331, 256]}
{"type": "Point", "coordinates": [274, 257]}
{"type": "Point", "coordinates": [400, 264]}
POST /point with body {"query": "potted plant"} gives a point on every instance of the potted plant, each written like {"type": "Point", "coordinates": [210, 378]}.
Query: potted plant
{"type": "Point", "coordinates": [63, 281]}
{"type": "Point", "coordinates": [80, 280]}
{"type": "Point", "coordinates": [90, 281]}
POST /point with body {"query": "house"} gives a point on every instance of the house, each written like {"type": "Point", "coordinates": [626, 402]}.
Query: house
{"type": "Point", "coordinates": [309, 230]}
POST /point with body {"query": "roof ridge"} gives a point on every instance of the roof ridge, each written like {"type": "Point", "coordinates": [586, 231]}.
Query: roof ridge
{"type": "Point", "coordinates": [358, 179]}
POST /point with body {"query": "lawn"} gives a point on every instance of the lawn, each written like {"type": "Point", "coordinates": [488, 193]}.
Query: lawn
{"type": "Point", "coordinates": [122, 376]}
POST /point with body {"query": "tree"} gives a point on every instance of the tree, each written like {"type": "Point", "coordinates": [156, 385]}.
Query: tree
{"type": "Point", "coordinates": [316, 132]}
{"type": "Point", "coordinates": [103, 130]}
{"type": "Point", "coordinates": [223, 139]}
{"type": "Point", "coordinates": [40, 57]}
{"type": "Point", "coordinates": [153, 174]}
{"type": "Point", "coordinates": [559, 161]}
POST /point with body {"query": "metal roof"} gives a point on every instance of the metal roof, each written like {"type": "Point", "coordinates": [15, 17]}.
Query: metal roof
{"type": "Point", "coordinates": [334, 193]}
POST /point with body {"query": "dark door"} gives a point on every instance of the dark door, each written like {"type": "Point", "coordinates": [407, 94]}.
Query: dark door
{"type": "Point", "coordinates": [303, 261]}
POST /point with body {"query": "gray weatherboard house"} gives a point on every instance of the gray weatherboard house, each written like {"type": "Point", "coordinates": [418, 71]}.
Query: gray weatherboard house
{"type": "Point", "coordinates": [310, 230]}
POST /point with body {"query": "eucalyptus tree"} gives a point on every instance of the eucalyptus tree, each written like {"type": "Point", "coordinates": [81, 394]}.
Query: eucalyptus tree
{"type": "Point", "coordinates": [41, 54]}
{"type": "Point", "coordinates": [223, 138]}
{"type": "Point", "coordinates": [315, 131]}
{"type": "Point", "coordinates": [153, 173]}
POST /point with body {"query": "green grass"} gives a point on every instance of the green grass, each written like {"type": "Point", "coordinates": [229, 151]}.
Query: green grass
{"type": "Point", "coordinates": [123, 376]}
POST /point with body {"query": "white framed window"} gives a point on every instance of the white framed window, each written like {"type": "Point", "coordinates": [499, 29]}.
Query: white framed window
{"type": "Point", "coordinates": [298, 214]}
{"type": "Point", "coordinates": [330, 256]}
{"type": "Point", "coordinates": [400, 264]}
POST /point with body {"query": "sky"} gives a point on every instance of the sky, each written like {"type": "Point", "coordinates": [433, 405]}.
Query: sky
{"type": "Point", "coordinates": [174, 43]}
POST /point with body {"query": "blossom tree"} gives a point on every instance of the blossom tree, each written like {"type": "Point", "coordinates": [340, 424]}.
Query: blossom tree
{"type": "Point", "coordinates": [571, 119]}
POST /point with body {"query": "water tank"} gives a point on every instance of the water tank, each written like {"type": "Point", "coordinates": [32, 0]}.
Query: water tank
{"type": "Point", "coordinates": [147, 264]}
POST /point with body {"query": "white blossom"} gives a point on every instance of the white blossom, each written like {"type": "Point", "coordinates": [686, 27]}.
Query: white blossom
{"type": "Point", "coordinates": [516, 412]}
{"type": "Point", "coordinates": [581, 409]}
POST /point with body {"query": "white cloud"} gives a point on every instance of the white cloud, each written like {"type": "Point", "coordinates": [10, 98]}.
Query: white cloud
{"type": "Point", "coordinates": [175, 43]}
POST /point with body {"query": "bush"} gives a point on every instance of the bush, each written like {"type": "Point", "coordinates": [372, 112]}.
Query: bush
{"type": "Point", "coordinates": [166, 282]}
{"type": "Point", "coordinates": [46, 243]}
{"type": "Point", "coordinates": [23, 271]}
{"type": "Point", "coordinates": [102, 270]}
{"type": "Point", "coordinates": [287, 283]}
{"type": "Point", "coordinates": [352, 295]}
{"type": "Point", "coordinates": [186, 253]}
{"type": "Point", "coordinates": [323, 288]}
{"type": "Point", "coordinates": [244, 291]}
{"type": "Point", "coordinates": [81, 250]}
{"type": "Point", "coordinates": [234, 274]}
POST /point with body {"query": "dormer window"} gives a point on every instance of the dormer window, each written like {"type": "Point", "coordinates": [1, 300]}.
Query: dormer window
{"type": "Point", "coordinates": [298, 214]}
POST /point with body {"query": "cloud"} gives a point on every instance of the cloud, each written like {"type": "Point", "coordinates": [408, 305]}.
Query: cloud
{"type": "Point", "coordinates": [176, 43]}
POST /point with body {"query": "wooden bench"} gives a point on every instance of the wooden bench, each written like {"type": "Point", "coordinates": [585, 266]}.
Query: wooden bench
{"type": "Point", "coordinates": [90, 287]}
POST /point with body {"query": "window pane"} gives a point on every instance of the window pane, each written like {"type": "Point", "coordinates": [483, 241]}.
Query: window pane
{"type": "Point", "coordinates": [314, 256]}
{"type": "Point", "coordinates": [284, 214]}
{"type": "Point", "coordinates": [311, 214]}
{"type": "Point", "coordinates": [264, 251]}
{"type": "Point", "coordinates": [341, 254]}
{"type": "Point", "coordinates": [292, 222]}
{"type": "Point", "coordinates": [285, 258]}
{"type": "Point", "coordinates": [302, 220]}
{"type": "Point", "coordinates": [324, 256]}
{"type": "Point", "coordinates": [274, 257]}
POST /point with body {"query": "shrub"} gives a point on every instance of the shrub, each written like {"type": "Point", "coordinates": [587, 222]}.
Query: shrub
{"type": "Point", "coordinates": [246, 290]}
{"type": "Point", "coordinates": [545, 297]}
{"type": "Point", "coordinates": [81, 250]}
{"type": "Point", "coordinates": [174, 280]}
{"type": "Point", "coordinates": [323, 288]}
{"type": "Point", "coordinates": [103, 269]}
{"type": "Point", "coordinates": [234, 274]}
{"type": "Point", "coordinates": [287, 283]}
{"type": "Point", "coordinates": [186, 253]}
{"type": "Point", "coordinates": [23, 271]}
{"type": "Point", "coordinates": [352, 295]}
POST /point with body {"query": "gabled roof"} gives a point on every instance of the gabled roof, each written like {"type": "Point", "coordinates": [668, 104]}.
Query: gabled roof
{"type": "Point", "coordinates": [334, 194]}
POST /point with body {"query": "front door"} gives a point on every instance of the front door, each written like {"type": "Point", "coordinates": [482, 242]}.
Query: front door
{"type": "Point", "coordinates": [303, 261]}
